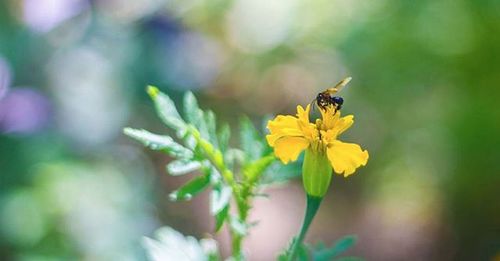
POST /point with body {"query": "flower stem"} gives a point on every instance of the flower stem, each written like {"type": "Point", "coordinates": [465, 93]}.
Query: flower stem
{"type": "Point", "coordinates": [236, 245]}
{"type": "Point", "coordinates": [312, 207]}
{"type": "Point", "coordinates": [243, 207]}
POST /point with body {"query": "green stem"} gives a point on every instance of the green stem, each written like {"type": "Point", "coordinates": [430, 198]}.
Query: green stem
{"type": "Point", "coordinates": [236, 245]}
{"type": "Point", "coordinates": [312, 207]}
{"type": "Point", "coordinates": [237, 239]}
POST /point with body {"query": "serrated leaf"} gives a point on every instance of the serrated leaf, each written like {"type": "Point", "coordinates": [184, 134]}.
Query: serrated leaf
{"type": "Point", "coordinates": [221, 217]}
{"type": "Point", "coordinates": [191, 189]}
{"type": "Point", "coordinates": [159, 142]}
{"type": "Point", "coordinates": [195, 115]}
{"type": "Point", "coordinates": [220, 199]}
{"type": "Point", "coordinates": [166, 109]}
{"type": "Point", "coordinates": [338, 248]}
{"type": "Point", "coordinates": [251, 141]}
{"type": "Point", "coordinates": [253, 170]}
{"type": "Point", "coordinates": [223, 137]}
{"type": "Point", "coordinates": [181, 167]}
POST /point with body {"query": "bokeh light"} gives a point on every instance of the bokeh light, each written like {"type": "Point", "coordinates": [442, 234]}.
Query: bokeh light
{"type": "Point", "coordinates": [44, 15]}
{"type": "Point", "coordinates": [5, 77]}
{"type": "Point", "coordinates": [24, 110]}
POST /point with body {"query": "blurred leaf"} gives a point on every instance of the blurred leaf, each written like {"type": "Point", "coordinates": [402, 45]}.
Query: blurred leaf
{"type": "Point", "coordinates": [189, 141]}
{"type": "Point", "coordinates": [279, 173]}
{"type": "Point", "coordinates": [253, 170]}
{"type": "Point", "coordinates": [181, 167]}
{"type": "Point", "coordinates": [212, 128]}
{"type": "Point", "coordinates": [209, 246]}
{"type": "Point", "coordinates": [220, 198]}
{"type": "Point", "coordinates": [324, 254]}
{"type": "Point", "coordinates": [172, 245]}
{"type": "Point", "coordinates": [194, 115]}
{"type": "Point", "coordinates": [223, 137]}
{"type": "Point", "coordinates": [302, 254]}
{"type": "Point", "coordinates": [191, 189]}
{"type": "Point", "coordinates": [159, 142]}
{"type": "Point", "coordinates": [238, 226]}
{"type": "Point", "coordinates": [251, 141]}
{"type": "Point", "coordinates": [264, 130]}
{"type": "Point", "coordinates": [234, 156]}
{"type": "Point", "coordinates": [166, 109]}
{"type": "Point", "coordinates": [221, 217]}
{"type": "Point", "coordinates": [215, 177]}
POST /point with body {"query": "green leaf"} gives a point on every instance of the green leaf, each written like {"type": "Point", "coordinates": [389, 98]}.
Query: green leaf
{"type": "Point", "coordinates": [253, 170]}
{"type": "Point", "coordinates": [251, 141]}
{"type": "Point", "coordinates": [223, 137]}
{"type": "Point", "coordinates": [159, 142]}
{"type": "Point", "coordinates": [302, 253]}
{"type": "Point", "coordinates": [166, 110]}
{"type": "Point", "coordinates": [221, 217]}
{"type": "Point", "coordinates": [338, 248]}
{"type": "Point", "coordinates": [211, 128]}
{"type": "Point", "coordinates": [194, 114]}
{"type": "Point", "coordinates": [181, 167]}
{"type": "Point", "coordinates": [189, 141]}
{"type": "Point", "coordinates": [191, 189]}
{"type": "Point", "coordinates": [279, 173]}
{"type": "Point", "coordinates": [220, 199]}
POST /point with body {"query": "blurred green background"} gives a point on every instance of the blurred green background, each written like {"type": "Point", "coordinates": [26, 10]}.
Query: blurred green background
{"type": "Point", "coordinates": [425, 94]}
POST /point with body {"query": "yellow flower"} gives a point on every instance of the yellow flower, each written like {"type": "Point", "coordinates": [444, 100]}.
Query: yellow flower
{"type": "Point", "coordinates": [290, 135]}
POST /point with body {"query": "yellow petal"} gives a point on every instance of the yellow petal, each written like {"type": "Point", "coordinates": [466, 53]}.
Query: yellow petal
{"type": "Point", "coordinates": [303, 115]}
{"type": "Point", "coordinates": [329, 117]}
{"type": "Point", "coordinates": [346, 157]}
{"type": "Point", "coordinates": [282, 122]}
{"type": "Point", "coordinates": [288, 148]}
{"type": "Point", "coordinates": [343, 124]}
{"type": "Point", "coordinates": [282, 126]}
{"type": "Point", "coordinates": [309, 130]}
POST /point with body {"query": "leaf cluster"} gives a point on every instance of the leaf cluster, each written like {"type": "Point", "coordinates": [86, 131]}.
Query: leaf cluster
{"type": "Point", "coordinates": [200, 145]}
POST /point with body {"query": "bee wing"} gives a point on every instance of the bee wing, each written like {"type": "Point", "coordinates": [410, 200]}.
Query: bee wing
{"type": "Point", "coordinates": [339, 86]}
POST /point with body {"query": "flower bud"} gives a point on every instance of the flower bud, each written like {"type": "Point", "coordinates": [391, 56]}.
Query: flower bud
{"type": "Point", "coordinates": [316, 172]}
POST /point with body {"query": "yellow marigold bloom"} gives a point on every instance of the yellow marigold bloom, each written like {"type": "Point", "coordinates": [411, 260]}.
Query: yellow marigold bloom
{"type": "Point", "coordinates": [290, 135]}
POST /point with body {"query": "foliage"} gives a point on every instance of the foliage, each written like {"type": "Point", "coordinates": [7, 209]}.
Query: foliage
{"type": "Point", "coordinates": [231, 174]}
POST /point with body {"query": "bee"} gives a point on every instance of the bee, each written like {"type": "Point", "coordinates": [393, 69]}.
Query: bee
{"type": "Point", "coordinates": [327, 97]}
